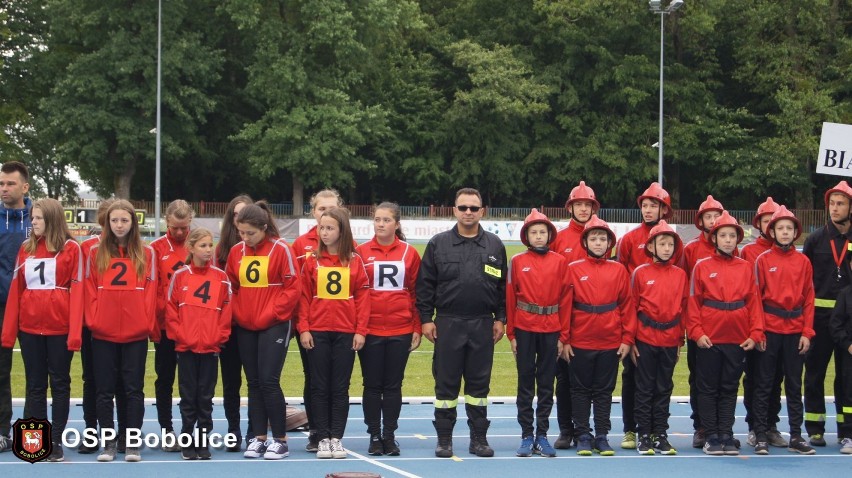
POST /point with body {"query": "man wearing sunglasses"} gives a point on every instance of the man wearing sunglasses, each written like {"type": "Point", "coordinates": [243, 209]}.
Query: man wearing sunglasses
{"type": "Point", "coordinates": [462, 282]}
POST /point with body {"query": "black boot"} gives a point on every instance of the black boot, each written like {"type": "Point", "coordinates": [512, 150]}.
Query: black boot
{"type": "Point", "coordinates": [444, 428]}
{"type": "Point", "coordinates": [478, 441]}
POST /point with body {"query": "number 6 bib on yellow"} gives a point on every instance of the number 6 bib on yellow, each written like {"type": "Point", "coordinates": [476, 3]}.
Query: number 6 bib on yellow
{"type": "Point", "coordinates": [254, 271]}
{"type": "Point", "coordinates": [333, 283]}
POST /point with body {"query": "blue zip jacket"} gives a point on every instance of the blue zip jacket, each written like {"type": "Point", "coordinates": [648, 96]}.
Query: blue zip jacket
{"type": "Point", "coordinates": [15, 228]}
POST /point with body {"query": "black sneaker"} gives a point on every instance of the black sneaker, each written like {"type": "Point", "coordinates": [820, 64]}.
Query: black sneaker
{"type": "Point", "coordinates": [87, 450]}
{"type": "Point", "coordinates": [817, 439]}
{"type": "Point", "coordinates": [188, 453]}
{"type": "Point", "coordinates": [661, 443]}
{"type": "Point", "coordinates": [712, 446]}
{"type": "Point", "coordinates": [377, 447]}
{"type": "Point", "coordinates": [391, 446]}
{"type": "Point", "coordinates": [56, 454]}
{"type": "Point", "coordinates": [698, 439]}
{"type": "Point", "coordinates": [644, 445]}
{"type": "Point", "coordinates": [761, 447]}
{"type": "Point", "coordinates": [121, 443]}
{"type": "Point", "coordinates": [730, 445]}
{"type": "Point", "coordinates": [238, 446]}
{"type": "Point", "coordinates": [313, 442]}
{"type": "Point", "coordinates": [203, 452]}
{"type": "Point", "coordinates": [799, 445]}
{"type": "Point", "coordinates": [565, 441]}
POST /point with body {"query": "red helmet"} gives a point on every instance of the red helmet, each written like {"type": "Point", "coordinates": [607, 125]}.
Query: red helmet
{"type": "Point", "coordinates": [842, 188]}
{"type": "Point", "coordinates": [767, 207]}
{"type": "Point", "coordinates": [655, 191]}
{"type": "Point", "coordinates": [726, 220]}
{"type": "Point", "coordinates": [709, 204]}
{"type": "Point", "coordinates": [784, 213]}
{"type": "Point", "coordinates": [661, 228]}
{"type": "Point", "coordinates": [536, 217]}
{"type": "Point", "coordinates": [583, 193]}
{"type": "Point", "coordinates": [596, 223]}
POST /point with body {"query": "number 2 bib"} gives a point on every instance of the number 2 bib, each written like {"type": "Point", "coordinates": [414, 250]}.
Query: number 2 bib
{"type": "Point", "coordinates": [120, 275]}
{"type": "Point", "coordinates": [254, 271]}
{"type": "Point", "coordinates": [40, 273]}
{"type": "Point", "coordinates": [333, 283]}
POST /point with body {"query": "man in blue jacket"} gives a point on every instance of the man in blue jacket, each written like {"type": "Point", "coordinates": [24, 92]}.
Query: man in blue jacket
{"type": "Point", "coordinates": [15, 227]}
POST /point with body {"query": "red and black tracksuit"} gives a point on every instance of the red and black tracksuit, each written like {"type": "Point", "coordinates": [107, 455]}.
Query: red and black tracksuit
{"type": "Point", "coordinates": [45, 312]}
{"type": "Point", "coordinates": [333, 315]}
{"type": "Point", "coordinates": [840, 326]}
{"type": "Point", "coordinates": [603, 317]}
{"type": "Point", "coordinates": [568, 242]}
{"type": "Point", "coordinates": [198, 318]}
{"type": "Point", "coordinates": [121, 314]}
{"type": "Point", "coordinates": [266, 288]}
{"type": "Point", "coordinates": [829, 252]}
{"type": "Point", "coordinates": [724, 305]}
{"type": "Point", "coordinates": [660, 292]}
{"type": "Point", "coordinates": [170, 255]}
{"type": "Point", "coordinates": [787, 293]}
{"type": "Point", "coordinates": [392, 274]}
{"type": "Point", "coordinates": [538, 308]}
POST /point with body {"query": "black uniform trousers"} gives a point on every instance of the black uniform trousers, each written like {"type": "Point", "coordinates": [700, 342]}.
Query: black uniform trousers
{"type": "Point", "coordinates": [165, 363]}
{"type": "Point", "coordinates": [816, 364]}
{"type": "Point", "coordinates": [628, 396]}
{"type": "Point", "coordinates": [654, 373]}
{"type": "Point", "coordinates": [593, 376]}
{"type": "Point", "coordinates": [47, 357]}
{"type": "Point", "coordinates": [536, 362]}
{"type": "Point", "coordinates": [781, 354]}
{"type": "Point", "coordinates": [232, 380]}
{"type": "Point", "coordinates": [464, 349]}
{"type": "Point", "coordinates": [90, 389]}
{"type": "Point", "coordinates": [750, 379]}
{"type": "Point", "coordinates": [718, 371]}
{"type": "Point", "coordinates": [844, 429]}
{"type": "Point", "coordinates": [691, 350]}
{"type": "Point", "coordinates": [332, 360]}
{"type": "Point", "coordinates": [383, 361]}
{"type": "Point", "coordinates": [306, 389]}
{"type": "Point", "coordinates": [5, 382]}
{"type": "Point", "coordinates": [262, 353]}
{"type": "Point", "coordinates": [128, 361]}
{"type": "Point", "coordinates": [564, 412]}
{"type": "Point", "coordinates": [197, 374]}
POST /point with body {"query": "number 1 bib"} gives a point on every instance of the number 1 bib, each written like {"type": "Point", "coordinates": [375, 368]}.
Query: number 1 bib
{"type": "Point", "coordinates": [254, 271]}
{"type": "Point", "coordinates": [40, 273]}
{"type": "Point", "coordinates": [333, 283]}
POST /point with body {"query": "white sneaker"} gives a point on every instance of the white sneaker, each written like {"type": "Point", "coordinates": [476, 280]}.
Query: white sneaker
{"type": "Point", "coordinates": [337, 450]}
{"type": "Point", "coordinates": [277, 450]}
{"type": "Point", "coordinates": [324, 448]}
{"type": "Point", "coordinates": [752, 439]}
{"type": "Point", "coordinates": [256, 449]}
{"type": "Point", "coordinates": [846, 446]}
{"type": "Point", "coordinates": [132, 454]}
{"type": "Point", "coordinates": [108, 453]}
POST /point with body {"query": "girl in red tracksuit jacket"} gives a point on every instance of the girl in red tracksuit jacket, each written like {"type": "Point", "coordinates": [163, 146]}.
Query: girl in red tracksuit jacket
{"type": "Point", "coordinates": [601, 330]}
{"type": "Point", "coordinates": [333, 317]}
{"type": "Point", "coordinates": [121, 288]}
{"type": "Point", "coordinates": [198, 318]}
{"type": "Point", "coordinates": [266, 284]}
{"type": "Point", "coordinates": [538, 304]}
{"type": "Point", "coordinates": [725, 320]}
{"type": "Point", "coordinates": [45, 312]}
{"type": "Point", "coordinates": [660, 291]}
{"type": "Point", "coordinates": [785, 282]}
{"type": "Point", "coordinates": [392, 267]}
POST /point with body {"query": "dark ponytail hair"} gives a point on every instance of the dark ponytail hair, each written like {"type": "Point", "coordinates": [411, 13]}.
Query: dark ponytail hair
{"type": "Point", "coordinates": [396, 213]}
{"type": "Point", "coordinates": [260, 216]}
{"type": "Point", "coordinates": [228, 235]}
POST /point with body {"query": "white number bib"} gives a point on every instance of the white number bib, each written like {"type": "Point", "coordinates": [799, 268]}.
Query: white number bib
{"type": "Point", "coordinates": [40, 273]}
{"type": "Point", "coordinates": [388, 275]}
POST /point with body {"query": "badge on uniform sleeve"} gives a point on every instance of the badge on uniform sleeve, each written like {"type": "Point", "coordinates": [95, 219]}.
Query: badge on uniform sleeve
{"type": "Point", "coordinates": [493, 271]}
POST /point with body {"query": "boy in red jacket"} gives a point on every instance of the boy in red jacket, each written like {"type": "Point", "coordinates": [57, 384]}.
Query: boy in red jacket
{"type": "Point", "coordinates": [784, 280]}
{"type": "Point", "coordinates": [725, 320]}
{"type": "Point", "coordinates": [538, 302]}
{"type": "Point", "coordinates": [660, 292]}
{"type": "Point", "coordinates": [601, 330]}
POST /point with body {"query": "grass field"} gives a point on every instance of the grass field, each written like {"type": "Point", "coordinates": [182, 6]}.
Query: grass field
{"type": "Point", "coordinates": [418, 375]}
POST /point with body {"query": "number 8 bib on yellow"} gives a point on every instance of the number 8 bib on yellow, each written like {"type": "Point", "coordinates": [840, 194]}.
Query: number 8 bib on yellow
{"type": "Point", "coordinates": [254, 271]}
{"type": "Point", "coordinates": [333, 283]}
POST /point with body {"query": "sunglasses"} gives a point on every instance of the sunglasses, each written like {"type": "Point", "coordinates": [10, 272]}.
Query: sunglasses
{"type": "Point", "coordinates": [471, 208]}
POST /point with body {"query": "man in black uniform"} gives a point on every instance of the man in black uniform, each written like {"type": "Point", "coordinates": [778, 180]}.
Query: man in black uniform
{"type": "Point", "coordinates": [462, 281]}
{"type": "Point", "coordinates": [828, 250]}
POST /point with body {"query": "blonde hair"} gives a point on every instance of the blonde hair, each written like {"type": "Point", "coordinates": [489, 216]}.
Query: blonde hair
{"type": "Point", "coordinates": [108, 249]}
{"type": "Point", "coordinates": [180, 210]}
{"type": "Point", "coordinates": [194, 236]}
{"type": "Point", "coordinates": [326, 194]}
{"type": "Point", "coordinates": [55, 229]}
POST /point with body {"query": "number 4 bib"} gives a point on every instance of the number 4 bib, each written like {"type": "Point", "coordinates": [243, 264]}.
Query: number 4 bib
{"type": "Point", "coordinates": [333, 283]}
{"type": "Point", "coordinates": [201, 292]}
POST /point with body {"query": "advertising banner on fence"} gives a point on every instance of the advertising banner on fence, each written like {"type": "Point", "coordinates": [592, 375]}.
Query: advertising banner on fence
{"type": "Point", "coordinates": [835, 150]}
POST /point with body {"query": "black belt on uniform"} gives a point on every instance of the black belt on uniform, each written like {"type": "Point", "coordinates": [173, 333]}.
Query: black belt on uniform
{"type": "Point", "coordinates": [538, 309]}
{"type": "Point", "coordinates": [649, 322]}
{"type": "Point", "coordinates": [596, 309]}
{"type": "Point", "coordinates": [783, 313]}
{"type": "Point", "coordinates": [717, 304]}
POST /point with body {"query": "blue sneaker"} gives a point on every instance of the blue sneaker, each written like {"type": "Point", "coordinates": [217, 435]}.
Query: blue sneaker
{"type": "Point", "coordinates": [602, 446]}
{"type": "Point", "coordinates": [526, 447]}
{"type": "Point", "coordinates": [542, 447]}
{"type": "Point", "coordinates": [584, 445]}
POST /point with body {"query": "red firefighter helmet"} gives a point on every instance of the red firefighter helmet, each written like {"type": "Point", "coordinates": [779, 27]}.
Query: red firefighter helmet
{"type": "Point", "coordinates": [655, 191]}
{"type": "Point", "coordinates": [709, 204]}
{"type": "Point", "coordinates": [661, 228]}
{"type": "Point", "coordinates": [766, 207]}
{"type": "Point", "coordinates": [784, 213]}
{"type": "Point", "coordinates": [842, 188]}
{"type": "Point", "coordinates": [726, 220]}
{"type": "Point", "coordinates": [536, 217]}
{"type": "Point", "coordinates": [581, 192]}
{"type": "Point", "coordinates": [597, 223]}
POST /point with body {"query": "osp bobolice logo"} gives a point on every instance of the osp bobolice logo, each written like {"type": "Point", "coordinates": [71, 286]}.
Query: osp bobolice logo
{"type": "Point", "coordinates": [31, 439]}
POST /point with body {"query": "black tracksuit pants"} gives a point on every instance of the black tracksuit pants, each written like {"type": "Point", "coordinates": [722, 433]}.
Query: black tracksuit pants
{"type": "Point", "coordinates": [718, 372]}
{"type": "Point", "coordinates": [593, 376]}
{"type": "Point", "coordinates": [383, 361]}
{"type": "Point", "coordinates": [628, 396]}
{"type": "Point", "coordinates": [165, 363]}
{"type": "Point", "coordinates": [5, 382]}
{"type": "Point", "coordinates": [654, 373]}
{"type": "Point", "coordinates": [262, 353]}
{"type": "Point", "coordinates": [750, 379]}
{"type": "Point", "coordinates": [128, 361]}
{"type": "Point", "coordinates": [816, 363]}
{"type": "Point", "coordinates": [197, 375]}
{"type": "Point", "coordinates": [47, 357]}
{"type": "Point", "coordinates": [332, 360]}
{"type": "Point", "coordinates": [232, 380]}
{"type": "Point", "coordinates": [564, 412]}
{"type": "Point", "coordinates": [464, 349]}
{"type": "Point", "coordinates": [781, 355]}
{"type": "Point", "coordinates": [536, 362]}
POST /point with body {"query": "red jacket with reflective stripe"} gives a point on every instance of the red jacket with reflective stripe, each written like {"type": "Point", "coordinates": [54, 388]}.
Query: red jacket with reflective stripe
{"type": "Point", "coordinates": [630, 250]}
{"type": "Point", "coordinates": [122, 316]}
{"type": "Point", "coordinates": [724, 279]}
{"type": "Point", "coordinates": [170, 256]}
{"type": "Point", "coordinates": [198, 309]}
{"type": "Point", "coordinates": [600, 282]}
{"type": "Point", "coordinates": [785, 281]}
{"type": "Point", "coordinates": [392, 274]}
{"type": "Point", "coordinates": [756, 248]}
{"type": "Point", "coordinates": [660, 291]}
{"type": "Point", "coordinates": [257, 306]}
{"type": "Point", "coordinates": [350, 314]}
{"type": "Point", "coordinates": [539, 279]}
{"type": "Point", "coordinates": [54, 311]}
{"type": "Point", "coordinates": [567, 242]}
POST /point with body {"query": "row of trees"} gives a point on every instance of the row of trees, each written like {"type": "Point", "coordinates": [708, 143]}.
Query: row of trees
{"type": "Point", "coordinates": [407, 100]}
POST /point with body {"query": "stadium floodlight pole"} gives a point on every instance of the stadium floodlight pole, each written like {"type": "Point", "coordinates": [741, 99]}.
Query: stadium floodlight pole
{"type": "Point", "coordinates": [656, 7]}
{"type": "Point", "coordinates": [159, 129]}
